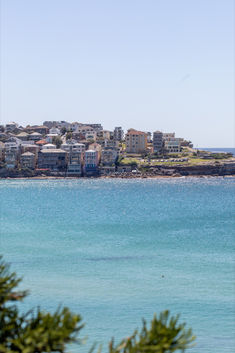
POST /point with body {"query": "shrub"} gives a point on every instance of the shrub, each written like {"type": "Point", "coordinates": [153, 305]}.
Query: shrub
{"type": "Point", "coordinates": [38, 331]}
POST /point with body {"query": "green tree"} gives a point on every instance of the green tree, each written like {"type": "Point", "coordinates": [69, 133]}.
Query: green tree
{"type": "Point", "coordinates": [63, 130]}
{"type": "Point", "coordinates": [69, 135]}
{"type": "Point", "coordinates": [57, 140]}
{"type": "Point", "coordinates": [38, 331]}
{"type": "Point", "coordinates": [165, 335]}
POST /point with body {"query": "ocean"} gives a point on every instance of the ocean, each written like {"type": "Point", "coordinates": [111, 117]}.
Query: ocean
{"type": "Point", "coordinates": [117, 251]}
{"type": "Point", "coordinates": [219, 150]}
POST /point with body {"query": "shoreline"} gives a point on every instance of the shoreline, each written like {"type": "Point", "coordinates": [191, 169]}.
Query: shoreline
{"type": "Point", "coordinates": [121, 177]}
{"type": "Point", "coordinates": [202, 170]}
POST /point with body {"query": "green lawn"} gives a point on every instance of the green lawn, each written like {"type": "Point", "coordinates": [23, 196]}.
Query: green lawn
{"type": "Point", "coordinates": [145, 162]}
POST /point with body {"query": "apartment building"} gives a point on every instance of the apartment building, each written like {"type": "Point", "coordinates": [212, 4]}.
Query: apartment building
{"type": "Point", "coordinates": [118, 133]}
{"type": "Point", "coordinates": [52, 159]}
{"type": "Point", "coordinates": [173, 145]}
{"type": "Point", "coordinates": [157, 142]}
{"type": "Point", "coordinates": [91, 162]}
{"type": "Point", "coordinates": [75, 157]}
{"type": "Point", "coordinates": [109, 156]}
{"type": "Point", "coordinates": [167, 136]}
{"type": "Point", "coordinates": [136, 141]}
{"type": "Point", "coordinates": [12, 152]}
{"type": "Point", "coordinates": [28, 160]}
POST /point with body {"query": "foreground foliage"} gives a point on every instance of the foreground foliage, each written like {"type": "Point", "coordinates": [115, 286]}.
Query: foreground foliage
{"type": "Point", "coordinates": [164, 335]}
{"type": "Point", "coordinates": [38, 331]}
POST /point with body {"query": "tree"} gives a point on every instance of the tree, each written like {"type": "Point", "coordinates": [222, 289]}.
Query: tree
{"type": "Point", "coordinates": [165, 335]}
{"type": "Point", "coordinates": [38, 331]}
{"type": "Point", "coordinates": [69, 135]}
{"type": "Point", "coordinates": [57, 141]}
{"type": "Point", "coordinates": [63, 130]}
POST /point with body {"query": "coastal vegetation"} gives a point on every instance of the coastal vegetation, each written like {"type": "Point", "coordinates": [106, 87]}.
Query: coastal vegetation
{"type": "Point", "coordinates": [39, 331]}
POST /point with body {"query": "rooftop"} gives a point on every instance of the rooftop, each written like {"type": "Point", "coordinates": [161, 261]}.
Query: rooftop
{"type": "Point", "coordinates": [135, 132]}
{"type": "Point", "coordinates": [55, 150]}
{"type": "Point", "coordinates": [27, 154]}
{"type": "Point", "coordinates": [41, 142]}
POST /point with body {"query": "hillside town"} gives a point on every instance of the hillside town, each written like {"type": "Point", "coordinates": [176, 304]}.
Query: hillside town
{"type": "Point", "coordinates": [60, 148]}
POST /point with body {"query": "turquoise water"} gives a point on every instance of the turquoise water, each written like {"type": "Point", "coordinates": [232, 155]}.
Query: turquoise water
{"type": "Point", "coordinates": [102, 246]}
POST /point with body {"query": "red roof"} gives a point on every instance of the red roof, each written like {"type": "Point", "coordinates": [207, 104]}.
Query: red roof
{"type": "Point", "coordinates": [41, 142]}
{"type": "Point", "coordinates": [135, 132]}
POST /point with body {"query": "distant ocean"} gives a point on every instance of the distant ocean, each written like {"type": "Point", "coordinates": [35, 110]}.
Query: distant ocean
{"type": "Point", "coordinates": [117, 251]}
{"type": "Point", "coordinates": [215, 149]}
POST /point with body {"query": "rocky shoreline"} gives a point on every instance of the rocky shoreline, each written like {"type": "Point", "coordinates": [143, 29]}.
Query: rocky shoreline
{"type": "Point", "coordinates": [179, 170]}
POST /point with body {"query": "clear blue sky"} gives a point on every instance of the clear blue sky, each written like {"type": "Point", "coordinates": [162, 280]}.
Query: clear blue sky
{"type": "Point", "coordinates": [149, 64]}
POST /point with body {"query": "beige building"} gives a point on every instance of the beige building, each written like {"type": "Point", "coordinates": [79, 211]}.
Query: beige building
{"type": "Point", "coordinates": [96, 147]}
{"type": "Point", "coordinates": [173, 145]}
{"type": "Point", "coordinates": [136, 141]}
{"type": "Point", "coordinates": [27, 160]}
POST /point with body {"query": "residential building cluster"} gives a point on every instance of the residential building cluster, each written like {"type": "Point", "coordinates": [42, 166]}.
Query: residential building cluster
{"type": "Point", "coordinates": [78, 149]}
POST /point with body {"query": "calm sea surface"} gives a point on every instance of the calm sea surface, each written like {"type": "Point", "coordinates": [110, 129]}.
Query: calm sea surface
{"type": "Point", "coordinates": [219, 150]}
{"type": "Point", "coordinates": [102, 248]}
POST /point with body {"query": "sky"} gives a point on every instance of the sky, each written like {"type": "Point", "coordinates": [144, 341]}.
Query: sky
{"type": "Point", "coordinates": [150, 65]}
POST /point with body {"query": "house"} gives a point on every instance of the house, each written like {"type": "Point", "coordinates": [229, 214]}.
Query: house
{"type": "Point", "coordinates": [136, 141]}
{"type": "Point", "coordinates": [56, 124]}
{"type": "Point", "coordinates": [84, 129]}
{"type": "Point", "coordinates": [48, 146]}
{"type": "Point", "coordinates": [35, 136]}
{"type": "Point", "coordinates": [41, 143]}
{"type": "Point", "coordinates": [41, 129]}
{"type": "Point", "coordinates": [91, 162]}
{"type": "Point", "coordinates": [54, 130]}
{"type": "Point", "coordinates": [75, 125]}
{"type": "Point", "coordinates": [30, 148]}
{"type": "Point", "coordinates": [52, 159]}
{"type": "Point", "coordinates": [28, 160]}
{"type": "Point", "coordinates": [23, 136]}
{"type": "Point", "coordinates": [50, 123]}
